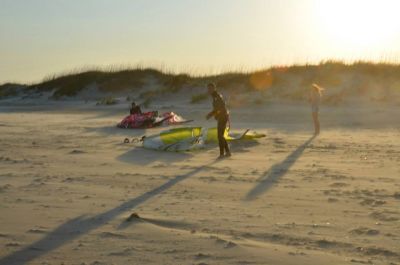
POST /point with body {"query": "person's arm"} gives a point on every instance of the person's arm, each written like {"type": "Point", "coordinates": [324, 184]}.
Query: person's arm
{"type": "Point", "coordinates": [210, 114]}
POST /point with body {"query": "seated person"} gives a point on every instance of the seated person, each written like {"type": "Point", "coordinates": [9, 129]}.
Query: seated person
{"type": "Point", "coordinates": [135, 109]}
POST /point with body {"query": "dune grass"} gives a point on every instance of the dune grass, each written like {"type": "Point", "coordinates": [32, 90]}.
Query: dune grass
{"type": "Point", "coordinates": [342, 79]}
{"type": "Point", "coordinates": [107, 101]}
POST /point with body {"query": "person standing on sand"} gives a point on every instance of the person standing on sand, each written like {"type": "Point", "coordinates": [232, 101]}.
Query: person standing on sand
{"type": "Point", "coordinates": [135, 109]}
{"type": "Point", "coordinates": [315, 99]}
{"type": "Point", "coordinates": [221, 114]}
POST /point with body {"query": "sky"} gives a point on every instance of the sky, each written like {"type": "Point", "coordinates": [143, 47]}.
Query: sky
{"type": "Point", "coordinates": [45, 37]}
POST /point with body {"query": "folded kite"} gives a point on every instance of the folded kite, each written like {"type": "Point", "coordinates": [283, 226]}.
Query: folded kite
{"type": "Point", "coordinates": [151, 119]}
{"type": "Point", "coordinates": [191, 138]}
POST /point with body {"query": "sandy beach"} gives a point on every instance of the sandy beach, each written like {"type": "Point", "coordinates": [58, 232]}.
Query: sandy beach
{"type": "Point", "coordinates": [114, 147]}
{"type": "Point", "coordinates": [71, 192]}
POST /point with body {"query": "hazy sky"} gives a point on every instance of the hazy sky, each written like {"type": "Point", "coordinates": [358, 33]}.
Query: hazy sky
{"type": "Point", "coordinates": [43, 37]}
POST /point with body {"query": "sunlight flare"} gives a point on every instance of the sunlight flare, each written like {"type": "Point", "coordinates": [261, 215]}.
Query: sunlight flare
{"type": "Point", "coordinates": [360, 24]}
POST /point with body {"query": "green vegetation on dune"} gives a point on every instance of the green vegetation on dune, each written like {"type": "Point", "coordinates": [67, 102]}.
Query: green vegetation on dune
{"type": "Point", "coordinates": [107, 81]}
{"type": "Point", "coordinates": [107, 101]}
{"type": "Point", "coordinates": [376, 81]}
{"type": "Point", "coordinates": [10, 89]}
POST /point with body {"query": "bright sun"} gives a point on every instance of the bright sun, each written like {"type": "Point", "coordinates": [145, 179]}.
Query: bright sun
{"type": "Point", "coordinates": [361, 24]}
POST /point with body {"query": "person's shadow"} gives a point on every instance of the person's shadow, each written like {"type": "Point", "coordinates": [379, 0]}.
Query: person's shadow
{"type": "Point", "coordinates": [275, 172]}
{"type": "Point", "coordinates": [142, 156]}
{"type": "Point", "coordinates": [82, 225]}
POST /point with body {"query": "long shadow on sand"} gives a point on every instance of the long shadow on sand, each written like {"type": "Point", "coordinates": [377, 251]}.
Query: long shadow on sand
{"type": "Point", "coordinates": [114, 130]}
{"type": "Point", "coordinates": [275, 172]}
{"type": "Point", "coordinates": [82, 225]}
{"type": "Point", "coordinates": [142, 156]}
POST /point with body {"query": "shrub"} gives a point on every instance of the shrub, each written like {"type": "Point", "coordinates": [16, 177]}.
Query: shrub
{"type": "Point", "coordinates": [9, 90]}
{"type": "Point", "coordinates": [107, 101]}
{"type": "Point", "coordinates": [175, 83]}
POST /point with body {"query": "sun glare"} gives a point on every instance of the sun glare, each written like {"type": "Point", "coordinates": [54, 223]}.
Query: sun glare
{"type": "Point", "coordinates": [361, 24]}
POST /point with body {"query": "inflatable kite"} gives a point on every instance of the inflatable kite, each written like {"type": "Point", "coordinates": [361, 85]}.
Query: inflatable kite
{"type": "Point", "coordinates": [191, 138]}
{"type": "Point", "coordinates": [151, 119]}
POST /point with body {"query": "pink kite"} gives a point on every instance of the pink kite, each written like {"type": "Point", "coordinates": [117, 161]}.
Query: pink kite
{"type": "Point", "coordinates": [151, 119]}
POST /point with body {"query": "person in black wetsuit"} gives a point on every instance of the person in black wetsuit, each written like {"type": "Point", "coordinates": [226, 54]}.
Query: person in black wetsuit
{"type": "Point", "coordinates": [221, 114]}
{"type": "Point", "coordinates": [135, 109]}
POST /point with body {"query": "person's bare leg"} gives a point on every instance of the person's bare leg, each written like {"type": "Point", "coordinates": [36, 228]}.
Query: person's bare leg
{"type": "Point", "coordinates": [316, 123]}
{"type": "Point", "coordinates": [221, 130]}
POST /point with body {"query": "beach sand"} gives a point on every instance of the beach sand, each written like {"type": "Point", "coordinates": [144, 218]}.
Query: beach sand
{"type": "Point", "coordinates": [68, 185]}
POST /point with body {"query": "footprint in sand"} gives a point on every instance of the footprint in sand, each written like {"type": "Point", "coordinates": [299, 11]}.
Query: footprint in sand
{"type": "Point", "coordinates": [5, 187]}
{"type": "Point", "coordinates": [383, 216]}
{"type": "Point", "coordinates": [159, 165]}
{"type": "Point", "coordinates": [14, 161]}
{"type": "Point", "coordinates": [13, 244]}
{"type": "Point", "coordinates": [332, 200]}
{"type": "Point", "coordinates": [364, 231]}
{"type": "Point", "coordinates": [372, 202]}
{"type": "Point", "coordinates": [338, 185]}
{"type": "Point", "coordinates": [208, 179]}
{"type": "Point", "coordinates": [37, 231]}
{"type": "Point", "coordinates": [297, 253]}
{"type": "Point", "coordinates": [112, 235]}
{"type": "Point", "coordinates": [225, 243]}
{"type": "Point", "coordinates": [76, 152]}
{"type": "Point", "coordinates": [4, 235]}
{"type": "Point", "coordinates": [202, 256]}
{"type": "Point", "coordinates": [96, 262]}
{"type": "Point", "coordinates": [375, 251]}
{"type": "Point", "coordinates": [70, 179]}
{"type": "Point", "coordinates": [278, 141]}
{"type": "Point", "coordinates": [125, 252]}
